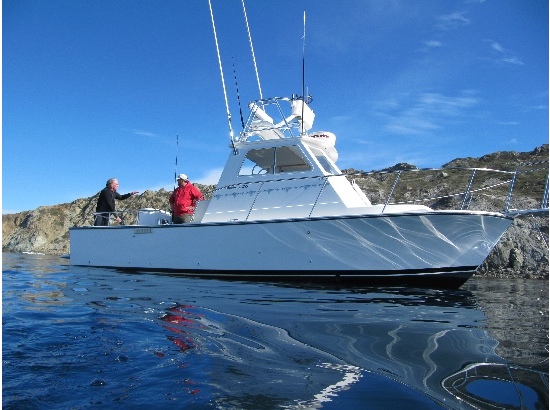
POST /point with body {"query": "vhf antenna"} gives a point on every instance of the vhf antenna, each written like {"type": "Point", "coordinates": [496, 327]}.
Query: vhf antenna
{"type": "Point", "coordinates": [238, 95]}
{"type": "Point", "coordinates": [303, 72]}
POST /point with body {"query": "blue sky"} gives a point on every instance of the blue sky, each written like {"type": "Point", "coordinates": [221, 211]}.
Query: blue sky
{"type": "Point", "coordinates": [100, 89]}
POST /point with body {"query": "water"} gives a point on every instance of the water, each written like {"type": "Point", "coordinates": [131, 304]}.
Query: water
{"type": "Point", "coordinates": [78, 338]}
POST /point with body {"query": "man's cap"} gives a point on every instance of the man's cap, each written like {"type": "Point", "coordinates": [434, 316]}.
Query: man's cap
{"type": "Point", "coordinates": [183, 176]}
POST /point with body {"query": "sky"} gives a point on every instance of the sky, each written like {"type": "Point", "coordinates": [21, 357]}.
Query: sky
{"type": "Point", "coordinates": [132, 89]}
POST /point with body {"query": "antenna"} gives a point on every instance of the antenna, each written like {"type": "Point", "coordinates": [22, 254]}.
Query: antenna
{"type": "Point", "coordinates": [221, 73]}
{"type": "Point", "coordinates": [252, 49]}
{"type": "Point", "coordinates": [238, 95]}
{"type": "Point", "coordinates": [303, 71]}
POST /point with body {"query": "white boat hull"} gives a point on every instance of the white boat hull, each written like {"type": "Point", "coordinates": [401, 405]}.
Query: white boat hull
{"type": "Point", "coordinates": [437, 248]}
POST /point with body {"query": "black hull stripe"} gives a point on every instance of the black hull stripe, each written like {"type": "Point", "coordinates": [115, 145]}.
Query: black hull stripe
{"type": "Point", "coordinates": [452, 277]}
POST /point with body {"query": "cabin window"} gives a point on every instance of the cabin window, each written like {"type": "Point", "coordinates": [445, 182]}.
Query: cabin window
{"type": "Point", "coordinates": [323, 160]}
{"type": "Point", "coordinates": [258, 161]}
{"type": "Point", "coordinates": [274, 161]}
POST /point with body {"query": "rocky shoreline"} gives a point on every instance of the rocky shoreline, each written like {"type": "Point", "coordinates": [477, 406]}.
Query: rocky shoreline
{"type": "Point", "coordinates": [521, 253]}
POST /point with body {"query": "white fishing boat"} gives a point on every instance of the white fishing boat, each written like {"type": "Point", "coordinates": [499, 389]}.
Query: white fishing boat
{"type": "Point", "coordinates": [282, 209]}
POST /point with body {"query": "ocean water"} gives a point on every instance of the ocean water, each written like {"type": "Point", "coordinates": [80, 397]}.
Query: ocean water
{"type": "Point", "coordinates": [80, 338]}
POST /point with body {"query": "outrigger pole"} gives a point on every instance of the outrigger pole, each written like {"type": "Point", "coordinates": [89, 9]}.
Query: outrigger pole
{"type": "Point", "coordinates": [252, 50]}
{"type": "Point", "coordinates": [221, 73]}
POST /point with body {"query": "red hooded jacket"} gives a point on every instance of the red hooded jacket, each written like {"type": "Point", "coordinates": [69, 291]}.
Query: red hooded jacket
{"type": "Point", "coordinates": [184, 200]}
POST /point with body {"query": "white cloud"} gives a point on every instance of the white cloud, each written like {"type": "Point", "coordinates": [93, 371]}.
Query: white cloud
{"type": "Point", "coordinates": [452, 21]}
{"type": "Point", "coordinates": [426, 112]}
{"type": "Point", "coordinates": [446, 105]}
{"type": "Point", "coordinates": [511, 60]}
{"type": "Point", "coordinates": [497, 47]}
{"type": "Point", "coordinates": [211, 177]}
{"type": "Point", "coordinates": [144, 133]}
{"type": "Point", "coordinates": [537, 107]}
{"type": "Point", "coordinates": [503, 55]}
{"type": "Point", "coordinates": [411, 122]}
{"type": "Point", "coordinates": [433, 43]}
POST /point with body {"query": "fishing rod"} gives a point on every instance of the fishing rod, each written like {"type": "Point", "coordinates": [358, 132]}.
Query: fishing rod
{"type": "Point", "coordinates": [176, 170]}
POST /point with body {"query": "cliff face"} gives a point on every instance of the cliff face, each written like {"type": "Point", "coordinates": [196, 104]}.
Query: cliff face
{"type": "Point", "coordinates": [522, 251]}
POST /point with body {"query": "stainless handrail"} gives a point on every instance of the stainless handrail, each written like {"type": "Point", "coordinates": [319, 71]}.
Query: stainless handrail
{"type": "Point", "coordinates": [544, 202]}
{"type": "Point", "coordinates": [127, 214]}
{"type": "Point", "coordinates": [466, 195]}
{"type": "Point", "coordinates": [108, 215]}
{"type": "Point", "coordinates": [253, 202]}
{"type": "Point", "coordinates": [318, 196]}
{"type": "Point", "coordinates": [392, 189]}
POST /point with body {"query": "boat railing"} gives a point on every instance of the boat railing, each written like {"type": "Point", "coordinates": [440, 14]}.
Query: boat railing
{"type": "Point", "coordinates": [483, 189]}
{"type": "Point", "coordinates": [107, 216]}
{"type": "Point", "coordinates": [486, 189]}
{"type": "Point", "coordinates": [523, 190]}
{"type": "Point", "coordinates": [525, 168]}
{"type": "Point", "coordinates": [142, 216]}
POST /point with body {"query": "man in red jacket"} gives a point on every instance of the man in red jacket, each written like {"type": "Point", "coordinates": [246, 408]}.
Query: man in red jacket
{"type": "Point", "coordinates": [184, 200]}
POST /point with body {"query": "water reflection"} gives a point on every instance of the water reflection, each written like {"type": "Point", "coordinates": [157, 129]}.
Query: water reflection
{"type": "Point", "coordinates": [38, 278]}
{"type": "Point", "coordinates": [179, 319]}
{"type": "Point", "coordinates": [502, 386]}
{"type": "Point", "coordinates": [516, 314]}
{"type": "Point", "coordinates": [247, 345]}
{"type": "Point", "coordinates": [37, 263]}
{"type": "Point", "coordinates": [397, 337]}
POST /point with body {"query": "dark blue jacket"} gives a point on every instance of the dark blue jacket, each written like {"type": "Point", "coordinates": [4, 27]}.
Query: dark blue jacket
{"type": "Point", "coordinates": [106, 200]}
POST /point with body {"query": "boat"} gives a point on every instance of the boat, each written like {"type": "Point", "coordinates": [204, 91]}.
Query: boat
{"type": "Point", "coordinates": [283, 210]}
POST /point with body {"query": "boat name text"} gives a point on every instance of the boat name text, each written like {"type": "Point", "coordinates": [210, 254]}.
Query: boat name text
{"type": "Point", "coordinates": [142, 230]}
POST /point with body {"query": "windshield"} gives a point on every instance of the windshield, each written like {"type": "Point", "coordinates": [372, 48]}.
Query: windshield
{"type": "Point", "coordinates": [274, 160]}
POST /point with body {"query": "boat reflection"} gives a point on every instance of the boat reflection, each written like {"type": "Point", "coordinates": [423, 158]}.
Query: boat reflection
{"type": "Point", "coordinates": [363, 344]}
{"type": "Point", "coordinates": [178, 319]}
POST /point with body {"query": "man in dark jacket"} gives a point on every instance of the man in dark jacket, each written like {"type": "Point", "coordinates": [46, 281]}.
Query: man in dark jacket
{"type": "Point", "coordinates": [106, 202]}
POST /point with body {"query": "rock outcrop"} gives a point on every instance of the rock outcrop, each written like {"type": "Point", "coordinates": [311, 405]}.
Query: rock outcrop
{"type": "Point", "coordinates": [522, 251]}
